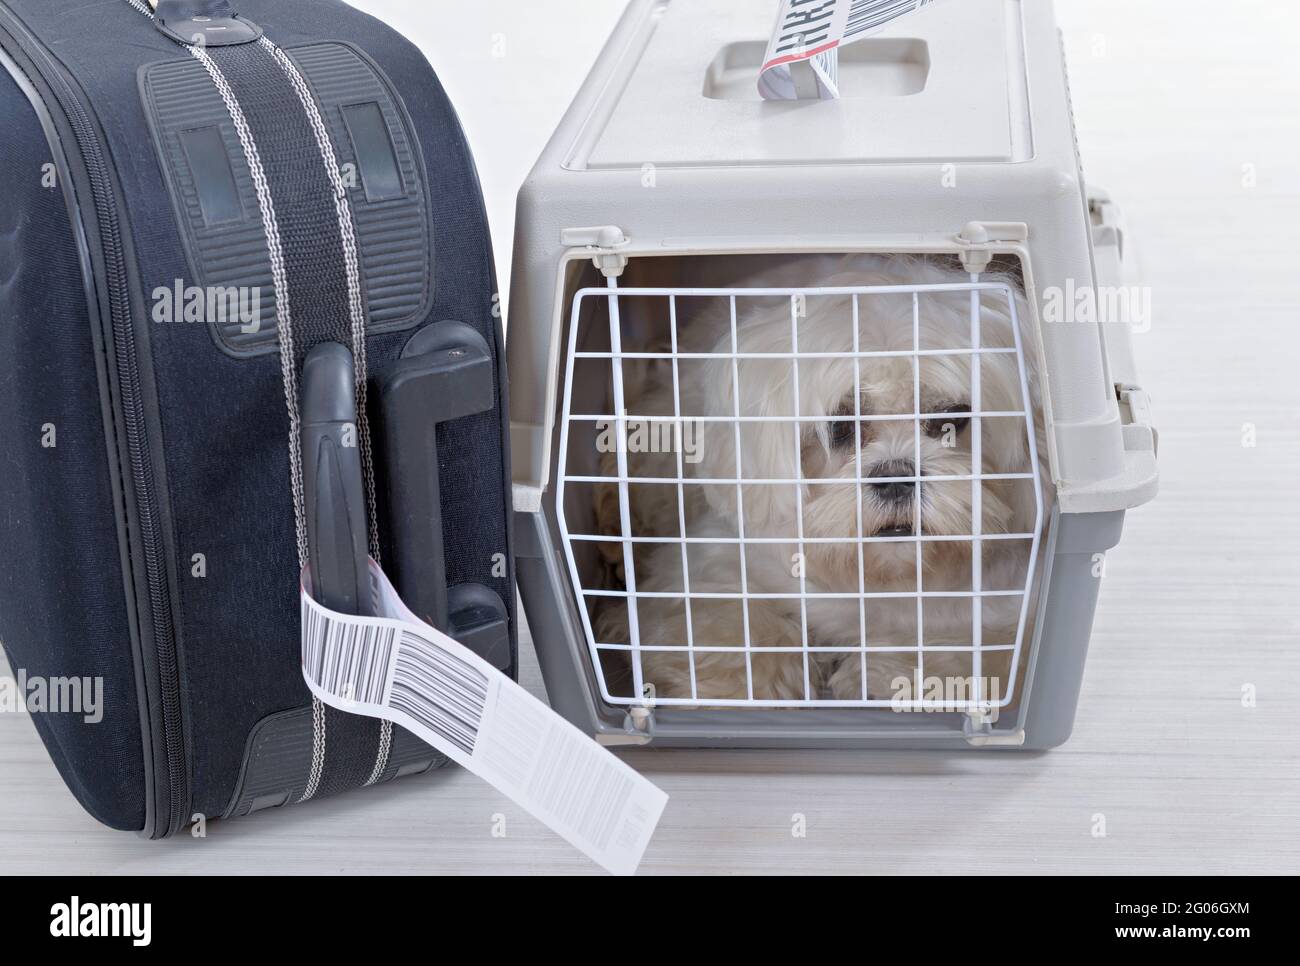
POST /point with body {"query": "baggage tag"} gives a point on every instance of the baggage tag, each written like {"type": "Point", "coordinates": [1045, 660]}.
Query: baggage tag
{"type": "Point", "coordinates": [397, 667]}
{"type": "Point", "coordinates": [802, 59]}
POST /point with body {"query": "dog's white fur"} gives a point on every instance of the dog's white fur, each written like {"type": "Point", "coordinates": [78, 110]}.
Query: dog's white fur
{"type": "Point", "coordinates": [773, 451]}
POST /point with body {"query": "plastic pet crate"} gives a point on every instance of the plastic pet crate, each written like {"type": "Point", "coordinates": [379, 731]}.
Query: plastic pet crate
{"type": "Point", "coordinates": [744, 333]}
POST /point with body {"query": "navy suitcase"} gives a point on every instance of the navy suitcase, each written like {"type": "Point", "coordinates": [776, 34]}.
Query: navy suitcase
{"type": "Point", "coordinates": [196, 199]}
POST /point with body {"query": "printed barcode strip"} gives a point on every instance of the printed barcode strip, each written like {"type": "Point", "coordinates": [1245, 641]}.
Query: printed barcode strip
{"type": "Point", "coordinates": [347, 660]}
{"type": "Point", "coordinates": [581, 784]}
{"type": "Point", "coordinates": [439, 690]}
{"type": "Point", "coordinates": [801, 29]}
{"type": "Point", "coordinates": [868, 15]}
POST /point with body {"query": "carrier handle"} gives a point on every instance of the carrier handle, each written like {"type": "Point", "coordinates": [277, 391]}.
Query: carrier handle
{"type": "Point", "coordinates": [334, 497]}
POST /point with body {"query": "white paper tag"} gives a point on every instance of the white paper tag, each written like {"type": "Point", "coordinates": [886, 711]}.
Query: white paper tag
{"type": "Point", "coordinates": [395, 666]}
{"type": "Point", "coordinates": [802, 59]}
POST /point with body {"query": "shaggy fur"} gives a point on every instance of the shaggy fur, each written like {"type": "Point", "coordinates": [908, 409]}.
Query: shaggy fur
{"type": "Point", "coordinates": [831, 451]}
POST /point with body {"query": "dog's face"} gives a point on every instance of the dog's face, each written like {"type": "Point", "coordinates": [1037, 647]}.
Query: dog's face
{"type": "Point", "coordinates": [864, 425]}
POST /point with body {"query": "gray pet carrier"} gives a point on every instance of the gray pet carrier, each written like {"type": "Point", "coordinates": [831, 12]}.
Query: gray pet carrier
{"type": "Point", "coordinates": [673, 200]}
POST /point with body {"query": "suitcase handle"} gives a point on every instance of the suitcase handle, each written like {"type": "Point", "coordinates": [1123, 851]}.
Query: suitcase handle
{"type": "Point", "coordinates": [445, 373]}
{"type": "Point", "coordinates": [212, 23]}
{"type": "Point", "coordinates": [334, 497]}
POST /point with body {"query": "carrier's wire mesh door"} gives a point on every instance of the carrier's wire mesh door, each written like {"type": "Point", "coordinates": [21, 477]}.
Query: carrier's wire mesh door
{"type": "Point", "coordinates": [801, 497]}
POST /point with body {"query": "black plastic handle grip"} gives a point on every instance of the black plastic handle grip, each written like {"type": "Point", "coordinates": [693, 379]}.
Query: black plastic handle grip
{"type": "Point", "coordinates": [445, 373]}
{"type": "Point", "coordinates": [334, 496]}
{"type": "Point", "coordinates": [212, 23]}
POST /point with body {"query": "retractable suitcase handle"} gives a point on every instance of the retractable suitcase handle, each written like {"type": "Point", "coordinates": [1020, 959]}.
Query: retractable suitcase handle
{"type": "Point", "coordinates": [445, 373]}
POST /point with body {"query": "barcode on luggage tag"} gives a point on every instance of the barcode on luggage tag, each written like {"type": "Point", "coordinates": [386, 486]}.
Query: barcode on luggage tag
{"type": "Point", "coordinates": [866, 16]}
{"type": "Point", "coordinates": [399, 668]}
{"type": "Point", "coordinates": [800, 28]}
{"type": "Point", "coordinates": [348, 660]}
{"type": "Point", "coordinates": [438, 689]}
{"type": "Point", "coordinates": [435, 687]}
{"type": "Point", "coordinates": [806, 27]}
{"type": "Point", "coordinates": [812, 31]}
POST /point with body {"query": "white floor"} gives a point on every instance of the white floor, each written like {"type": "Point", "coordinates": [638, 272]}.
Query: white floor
{"type": "Point", "coordinates": [1178, 109]}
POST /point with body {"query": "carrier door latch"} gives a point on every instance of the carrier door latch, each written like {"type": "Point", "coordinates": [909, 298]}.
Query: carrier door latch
{"type": "Point", "coordinates": [602, 240]}
{"type": "Point", "coordinates": [638, 729]}
{"type": "Point", "coordinates": [978, 238]}
{"type": "Point", "coordinates": [1139, 429]}
{"type": "Point", "coordinates": [978, 729]}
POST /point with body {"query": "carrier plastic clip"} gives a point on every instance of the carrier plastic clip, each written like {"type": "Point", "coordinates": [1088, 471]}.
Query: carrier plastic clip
{"type": "Point", "coordinates": [602, 239]}
{"type": "Point", "coordinates": [979, 238]}
{"type": "Point", "coordinates": [978, 729]}
{"type": "Point", "coordinates": [638, 729]}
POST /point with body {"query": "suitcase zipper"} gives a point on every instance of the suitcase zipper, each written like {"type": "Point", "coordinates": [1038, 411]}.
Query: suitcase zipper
{"type": "Point", "coordinates": [91, 155]}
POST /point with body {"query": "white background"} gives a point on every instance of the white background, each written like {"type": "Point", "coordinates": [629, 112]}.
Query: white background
{"type": "Point", "coordinates": [1177, 104]}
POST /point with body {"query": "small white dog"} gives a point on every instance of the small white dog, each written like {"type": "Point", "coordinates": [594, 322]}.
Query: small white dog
{"type": "Point", "coordinates": [846, 438]}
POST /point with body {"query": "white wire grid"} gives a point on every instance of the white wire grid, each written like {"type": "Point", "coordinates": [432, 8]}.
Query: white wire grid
{"type": "Point", "coordinates": [620, 419]}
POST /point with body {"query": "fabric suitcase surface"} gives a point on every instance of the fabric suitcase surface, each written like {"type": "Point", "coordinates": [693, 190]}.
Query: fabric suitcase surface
{"type": "Point", "coordinates": [197, 198]}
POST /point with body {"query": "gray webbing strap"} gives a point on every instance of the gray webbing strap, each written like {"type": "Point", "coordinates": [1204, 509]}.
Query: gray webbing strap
{"type": "Point", "coordinates": [315, 266]}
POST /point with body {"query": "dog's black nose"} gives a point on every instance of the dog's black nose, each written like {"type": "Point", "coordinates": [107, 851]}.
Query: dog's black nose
{"type": "Point", "coordinates": [893, 491]}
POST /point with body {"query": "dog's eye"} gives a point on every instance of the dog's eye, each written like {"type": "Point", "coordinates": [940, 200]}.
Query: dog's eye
{"type": "Point", "coordinates": [842, 433]}
{"type": "Point", "coordinates": [939, 426]}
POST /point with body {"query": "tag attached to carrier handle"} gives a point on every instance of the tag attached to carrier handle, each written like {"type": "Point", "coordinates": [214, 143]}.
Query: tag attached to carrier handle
{"type": "Point", "coordinates": [802, 58]}
{"type": "Point", "coordinates": [396, 667]}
